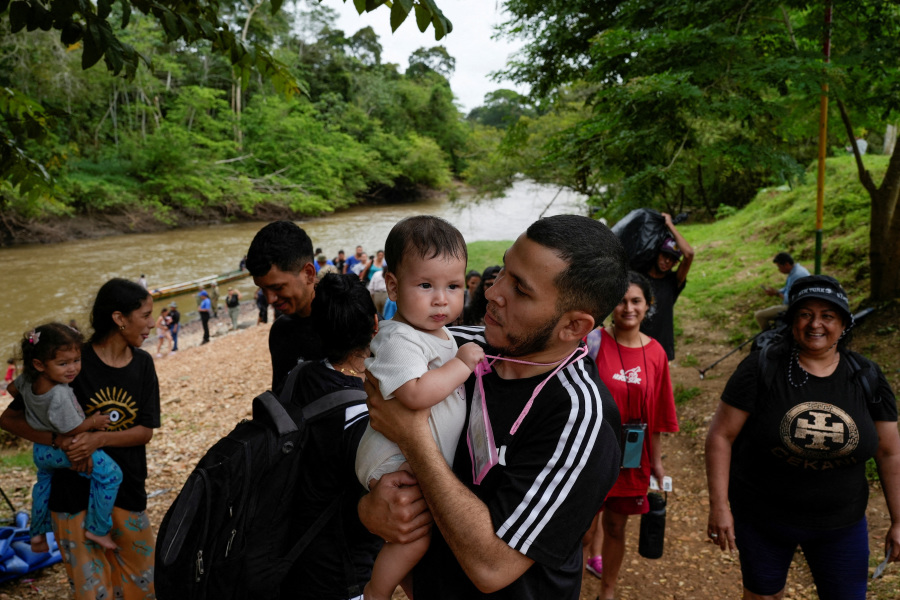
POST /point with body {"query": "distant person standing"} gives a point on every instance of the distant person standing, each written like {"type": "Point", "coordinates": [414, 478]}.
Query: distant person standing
{"type": "Point", "coordinates": [375, 264]}
{"type": "Point", "coordinates": [794, 271]}
{"type": "Point", "coordinates": [339, 261]}
{"type": "Point", "coordinates": [357, 259]}
{"type": "Point", "coordinates": [667, 286]}
{"type": "Point", "coordinates": [242, 266]}
{"type": "Point", "coordinates": [473, 278]}
{"type": "Point", "coordinates": [10, 373]}
{"type": "Point", "coordinates": [143, 281]}
{"type": "Point", "coordinates": [162, 331]}
{"type": "Point", "coordinates": [174, 324]}
{"type": "Point", "coordinates": [324, 267]}
{"type": "Point", "coordinates": [204, 309]}
{"type": "Point", "coordinates": [861, 144]}
{"type": "Point", "coordinates": [280, 259]}
{"type": "Point", "coordinates": [214, 298]}
{"type": "Point", "coordinates": [233, 302]}
{"type": "Point", "coordinates": [262, 305]}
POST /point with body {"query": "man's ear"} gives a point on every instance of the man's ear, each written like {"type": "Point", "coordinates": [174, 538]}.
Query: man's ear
{"type": "Point", "coordinates": [575, 324]}
{"type": "Point", "coordinates": [391, 283]}
{"type": "Point", "coordinates": [308, 272]}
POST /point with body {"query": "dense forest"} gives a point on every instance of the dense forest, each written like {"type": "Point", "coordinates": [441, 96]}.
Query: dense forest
{"type": "Point", "coordinates": [190, 135]}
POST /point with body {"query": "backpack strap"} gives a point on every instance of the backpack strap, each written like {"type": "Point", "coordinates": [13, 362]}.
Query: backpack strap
{"type": "Point", "coordinates": [313, 530]}
{"type": "Point", "coordinates": [288, 389]}
{"type": "Point", "coordinates": [331, 401]}
{"type": "Point", "coordinates": [266, 407]}
{"type": "Point", "coordinates": [865, 374]}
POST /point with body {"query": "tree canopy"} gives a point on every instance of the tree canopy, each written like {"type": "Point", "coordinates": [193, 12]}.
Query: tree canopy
{"type": "Point", "coordinates": [193, 136]}
{"type": "Point", "coordinates": [100, 31]}
{"type": "Point", "coordinates": [696, 105]}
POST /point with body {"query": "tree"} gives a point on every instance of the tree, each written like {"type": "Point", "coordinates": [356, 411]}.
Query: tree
{"type": "Point", "coordinates": [91, 28]}
{"type": "Point", "coordinates": [431, 60]}
{"type": "Point", "coordinates": [502, 108]}
{"type": "Point", "coordinates": [700, 103]}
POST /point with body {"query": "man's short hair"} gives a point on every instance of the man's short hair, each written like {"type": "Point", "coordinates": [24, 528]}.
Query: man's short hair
{"type": "Point", "coordinates": [427, 237]}
{"type": "Point", "coordinates": [282, 244]}
{"type": "Point", "coordinates": [595, 279]}
{"type": "Point", "coordinates": [783, 258]}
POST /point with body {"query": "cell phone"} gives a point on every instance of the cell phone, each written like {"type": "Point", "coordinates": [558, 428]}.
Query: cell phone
{"type": "Point", "coordinates": [634, 445]}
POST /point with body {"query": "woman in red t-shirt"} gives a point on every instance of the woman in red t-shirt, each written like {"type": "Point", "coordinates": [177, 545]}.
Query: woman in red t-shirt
{"type": "Point", "coordinates": [635, 369]}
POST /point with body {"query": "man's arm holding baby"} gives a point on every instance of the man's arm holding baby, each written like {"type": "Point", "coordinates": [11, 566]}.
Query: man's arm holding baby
{"type": "Point", "coordinates": [436, 384]}
{"type": "Point", "coordinates": [464, 520]}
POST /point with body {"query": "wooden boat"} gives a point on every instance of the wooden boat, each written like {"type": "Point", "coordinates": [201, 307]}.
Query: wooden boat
{"type": "Point", "coordinates": [187, 287]}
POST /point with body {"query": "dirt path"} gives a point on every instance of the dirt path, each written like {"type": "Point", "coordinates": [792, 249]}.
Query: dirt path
{"type": "Point", "coordinates": [207, 389]}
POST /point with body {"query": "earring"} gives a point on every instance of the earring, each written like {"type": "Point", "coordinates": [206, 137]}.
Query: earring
{"type": "Point", "coordinates": [121, 328]}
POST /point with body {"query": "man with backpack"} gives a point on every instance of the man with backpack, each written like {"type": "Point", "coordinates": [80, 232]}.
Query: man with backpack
{"type": "Point", "coordinates": [280, 259]}
{"type": "Point", "coordinates": [543, 430]}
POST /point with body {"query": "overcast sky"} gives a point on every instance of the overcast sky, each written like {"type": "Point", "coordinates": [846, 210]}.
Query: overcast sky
{"type": "Point", "coordinates": [470, 43]}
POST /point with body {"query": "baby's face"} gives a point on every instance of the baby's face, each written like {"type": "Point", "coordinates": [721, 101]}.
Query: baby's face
{"type": "Point", "coordinates": [428, 291]}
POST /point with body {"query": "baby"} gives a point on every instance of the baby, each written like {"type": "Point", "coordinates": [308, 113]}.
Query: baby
{"type": "Point", "coordinates": [417, 363]}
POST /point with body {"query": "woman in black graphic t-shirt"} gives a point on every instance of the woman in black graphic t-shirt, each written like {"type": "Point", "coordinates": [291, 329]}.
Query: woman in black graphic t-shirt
{"type": "Point", "coordinates": [117, 379]}
{"type": "Point", "coordinates": [787, 449]}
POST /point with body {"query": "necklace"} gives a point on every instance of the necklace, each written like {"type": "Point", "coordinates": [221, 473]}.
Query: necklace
{"type": "Point", "coordinates": [350, 371]}
{"type": "Point", "coordinates": [795, 359]}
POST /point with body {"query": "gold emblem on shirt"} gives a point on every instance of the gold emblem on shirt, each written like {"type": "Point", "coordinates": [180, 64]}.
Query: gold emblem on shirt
{"type": "Point", "coordinates": [118, 404]}
{"type": "Point", "coordinates": [819, 430]}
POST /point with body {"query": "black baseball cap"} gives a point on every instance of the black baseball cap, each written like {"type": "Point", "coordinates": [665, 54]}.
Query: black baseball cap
{"type": "Point", "coordinates": [822, 287]}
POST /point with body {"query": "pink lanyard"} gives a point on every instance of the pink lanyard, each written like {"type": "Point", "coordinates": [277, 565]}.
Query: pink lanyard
{"type": "Point", "coordinates": [482, 448]}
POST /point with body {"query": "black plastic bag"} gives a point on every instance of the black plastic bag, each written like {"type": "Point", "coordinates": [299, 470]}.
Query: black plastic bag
{"type": "Point", "coordinates": [642, 232]}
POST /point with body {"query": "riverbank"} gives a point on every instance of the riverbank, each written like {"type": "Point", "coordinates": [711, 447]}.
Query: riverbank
{"type": "Point", "coordinates": [16, 230]}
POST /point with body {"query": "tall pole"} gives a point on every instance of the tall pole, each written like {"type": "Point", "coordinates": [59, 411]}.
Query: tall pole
{"type": "Point", "coordinates": [823, 142]}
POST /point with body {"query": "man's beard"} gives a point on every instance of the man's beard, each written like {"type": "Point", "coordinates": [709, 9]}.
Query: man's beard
{"type": "Point", "coordinates": [532, 342]}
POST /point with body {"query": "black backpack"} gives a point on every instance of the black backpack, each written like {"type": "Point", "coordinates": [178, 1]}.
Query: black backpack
{"type": "Point", "coordinates": [226, 534]}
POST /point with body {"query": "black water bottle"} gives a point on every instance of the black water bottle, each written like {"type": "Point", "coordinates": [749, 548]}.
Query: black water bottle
{"type": "Point", "coordinates": [653, 527]}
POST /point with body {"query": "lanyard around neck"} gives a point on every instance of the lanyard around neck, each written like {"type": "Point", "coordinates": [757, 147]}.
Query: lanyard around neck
{"type": "Point", "coordinates": [485, 367]}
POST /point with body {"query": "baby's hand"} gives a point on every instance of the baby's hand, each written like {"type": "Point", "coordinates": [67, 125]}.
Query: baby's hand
{"type": "Point", "coordinates": [99, 421]}
{"type": "Point", "coordinates": [471, 354]}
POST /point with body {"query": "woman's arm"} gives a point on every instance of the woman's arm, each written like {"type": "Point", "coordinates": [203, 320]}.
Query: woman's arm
{"type": "Point", "coordinates": [686, 250]}
{"type": "Point", "coordinates": [887, 457]}
{"type": "Point", "coordinates": [14, 422]}
{"type": "Point", "coordinates": [656, 466]}
{"type": "Point", "coordinates": [84, 444]}
{"type": "Point", "coordinates": [725, 427]}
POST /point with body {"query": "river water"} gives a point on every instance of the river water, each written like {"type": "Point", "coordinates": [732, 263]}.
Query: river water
{"type": "Point", "coordinates": [50, 282]}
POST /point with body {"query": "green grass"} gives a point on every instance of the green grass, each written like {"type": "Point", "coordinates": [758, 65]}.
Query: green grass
{"type": "Point", "coordinates": [19, 458]}
{"type": "Point", "coordinates": [486, 254]}
{"type": "Point", "coordinates": [683, 394]}
{"type": "Point", "coordinates": [734, 255]}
